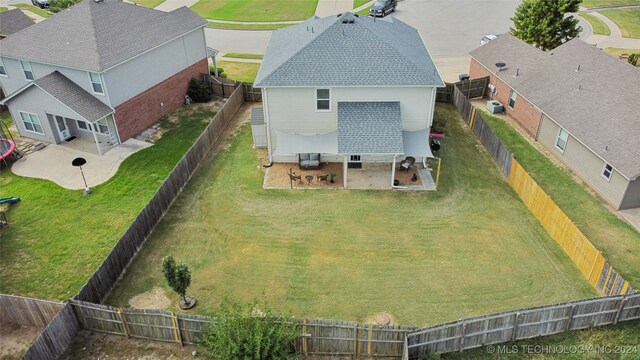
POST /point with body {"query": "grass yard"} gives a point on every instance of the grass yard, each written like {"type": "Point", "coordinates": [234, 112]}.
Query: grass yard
{"type": "Point", "coordinates": [56, 238]}
{"type": "Point", "coordinates": [149, 3]}
{"type": "Point", "coordinates": [255, 10]}
{"type": "Point", "coordinates": [240, 71]}
{"type": "Point", "coordinates": [622, 342]}
{"type": "Point", "coordinates": [266, 26]}
{"type": "Point", "coordinates": [471, 248]}
{"type": "Point", "coordinates": [601, 3]}
{"type": "Point", "coordinates": [616, 52]}
{"type": "Point", "coordinates": [244, 56]}
{"type": "Point", "coordinates": [599, 27]}
{"type": "Point", "coordinates": [358, 3]}
{"type": "Point", "coordinates": [628, 20]}
{"type": "Point", "coordinates": [618, 241]}
{"type": "Point", "coordinates": [3, 9]}
{"type": "Point", "coordinates": [33, 9]}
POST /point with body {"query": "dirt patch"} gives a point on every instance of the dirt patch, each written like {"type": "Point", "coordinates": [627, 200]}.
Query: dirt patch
{"type": "Point", "coordinates": [16, 339]}
{"type": "Point", "coordinates": [152, 299]}
{"type": "Point", "coordinates": [277, 176]}
{"type": "Point", "coordinates": [381, 318]}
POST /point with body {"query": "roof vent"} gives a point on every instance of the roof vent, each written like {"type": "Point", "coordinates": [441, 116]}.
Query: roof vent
{"type": "Point", "coordinates": [578, 69]}
{"type": "Point", "coordinates": [351, 21]}
{"type": "Point", "coordinates": [339, 15]}
{"type": "Point", "coordinates": [98, 1]}
{"type": "Point", "coordinates": [345, 21]}
{"type": "Point", "coordinates": [356, 15]}
{"type": "Point", "coordinates": [517, 72]}
{"type": "Point", "coordinates": [500, 66]}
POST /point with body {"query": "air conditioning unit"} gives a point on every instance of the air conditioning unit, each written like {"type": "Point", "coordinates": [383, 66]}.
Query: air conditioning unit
{"type": "Point", "coordinates": [494, 106]}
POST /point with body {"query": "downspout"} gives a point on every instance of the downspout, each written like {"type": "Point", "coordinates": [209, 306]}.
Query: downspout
{"type": "Point", "coordinates": [265, 110]}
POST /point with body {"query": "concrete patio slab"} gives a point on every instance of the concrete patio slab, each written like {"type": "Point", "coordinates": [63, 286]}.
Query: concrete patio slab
{"type": "Point", "coordinates": [632, 216]}
{"type": "Point", "coordinates": [54, 163]}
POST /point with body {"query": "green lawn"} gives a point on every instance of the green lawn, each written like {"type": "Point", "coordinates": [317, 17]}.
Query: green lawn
{"type": "Point", "coordinates": [363, 12]}
{"type": "Point", "coordinates": [267, 26]}
{"type": "Point", "coordinates": [620, 342]}
{"type": "Point", "coordinates": [618, 241]}
{"type": "Point", "coordinates": [358, 3]}
{"type": "Point", "coordinates": [601, 3]}
{"type": "Point", "coordinates": [3, 9]}
{"type": "Point", "coordinates": [255, 10]}
{"type": "Point", "coordinates": [240, 71]}
{"type": "Point", "coordinates": [33, 9]}
{"type": "Point", "coordinates": [56, 238]}
{"type": "Point", "coordinates": [599, 27]}
{"type": "Point", "coordinates": [469, 249]}
{"type": "Point", "coordinates": [244, 56]}
{"type": "Point", "coordinates": [628, 20]}
{"type": "Point", "coordinates": [149, 3]}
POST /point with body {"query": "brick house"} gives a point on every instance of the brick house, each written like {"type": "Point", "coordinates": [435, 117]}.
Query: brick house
{"type": "Point", "coordinates": [102, 70]}
{"type": "Point", "coordinates": [578, 102]}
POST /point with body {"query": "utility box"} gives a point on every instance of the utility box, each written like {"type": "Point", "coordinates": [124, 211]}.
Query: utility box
{"type": "Point", "coordinates": [258, 128]}
{"type": "Point", "coordinates": [494, 106]}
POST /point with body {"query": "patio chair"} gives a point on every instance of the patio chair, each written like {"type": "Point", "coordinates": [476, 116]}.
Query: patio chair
{"type": "Point", "coordinates": [294, 177]}
{"type": "Point", "coordinates": [322, 177]}
{"type": "Point", "coordinates": [407, 163]}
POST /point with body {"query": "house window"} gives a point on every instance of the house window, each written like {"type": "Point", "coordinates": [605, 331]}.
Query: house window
{"type": "Point", "coordinates": [83, 125]}
{"type": "Point", "coordinates": [3, 71]}
{"type": "Point", "coordinates": [561, 142]}
{"type": "Point", "coordinates": [101, 127]}
{"type": "Point", "coordinates": [31, 122]}
{"type": "Point", "coordinates": [96, 83]}
{"type": "Point", "coordinates": [323, 99]}
{"type": "Point", "coordinates": [512, 99]}
{"type": "Point", "coordinates": [26, 69]}
{"type": "Point", "coordinates": [607, 171]}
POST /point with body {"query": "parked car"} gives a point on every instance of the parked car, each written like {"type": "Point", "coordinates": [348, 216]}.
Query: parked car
{"type": "Point", "coordinates": [383, 7]}
{"type": "Point", "coordinates": [487, 38]}
{"type": "Point", "coordinates": [40, 3]}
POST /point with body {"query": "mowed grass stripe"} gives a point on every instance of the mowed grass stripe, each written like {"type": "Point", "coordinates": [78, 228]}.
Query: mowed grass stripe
{"type": "Point", "coordinates": [425, 258]}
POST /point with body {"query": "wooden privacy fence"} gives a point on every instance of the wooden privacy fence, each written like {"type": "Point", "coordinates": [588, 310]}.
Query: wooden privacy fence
{"type": "Point", "coordinates": [56, 337]}
{"type": "Point", "coordinates": [582, 252]}
{"type": "Point", "coordinates": [102, 281]}
{"type": "Point", "coordinates": [26, 311]}
{"type": "Point", "coordinates": [470, 88]}
{"type": "Point", "coordinates": [522, 324]}
{"type": "Point", "coordinates": [251, 94]}
{"type": "Point", "coordinates": [317, 337]}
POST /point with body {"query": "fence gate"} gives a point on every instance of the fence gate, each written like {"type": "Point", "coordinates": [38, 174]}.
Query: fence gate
{"type": "Point", "coordinates": [250, 93]}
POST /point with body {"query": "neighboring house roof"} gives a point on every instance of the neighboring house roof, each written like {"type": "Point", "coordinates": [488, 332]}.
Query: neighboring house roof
{"type": "Point", "coordinates": [12, 21]}
{"type": "Point", "coordinates": [347, 50]}
{"type": "Point", "coordinates": [70, 94]}
{"type": "Point", "coordinates": [369, 128]}
{"type": "Point", "coordinates": [596, 104]}
{"type": "Point", "coordinates": [95, 36]}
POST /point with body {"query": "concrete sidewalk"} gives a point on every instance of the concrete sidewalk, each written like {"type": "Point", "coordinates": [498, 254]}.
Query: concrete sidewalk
{"type": "Point", "coordinates": [615, 40]}
{"type": "Point", "coordinates": [333, 7]}
{"type": "Point", "coordinates": [170, 5]}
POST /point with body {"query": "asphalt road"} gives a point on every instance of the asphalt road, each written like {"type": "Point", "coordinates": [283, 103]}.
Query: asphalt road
{"type": "Point", "coordinates": [449, 27]}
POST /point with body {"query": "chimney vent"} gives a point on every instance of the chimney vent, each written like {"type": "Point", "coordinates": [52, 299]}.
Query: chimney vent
{"type": "Point", "coordinates": [578, 69]}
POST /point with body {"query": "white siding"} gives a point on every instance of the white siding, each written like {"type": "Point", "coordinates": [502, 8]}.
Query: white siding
{"type": "Point", "coordinates": [15, 78]}
{"type": "Point", "coordinates": [584, 163]}
{"type": "Point", "coordinates": [151, 68]}
{"type": "Point", "coordinates": [36, 101]}
{"type": "Point", "coordinates": [292, 110]}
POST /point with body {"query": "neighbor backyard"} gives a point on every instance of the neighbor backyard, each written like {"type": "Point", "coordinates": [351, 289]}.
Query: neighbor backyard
{"type": "Point", "coordinates": [422, 257]}
{"type": "Point", "coordinates": [256, 10]}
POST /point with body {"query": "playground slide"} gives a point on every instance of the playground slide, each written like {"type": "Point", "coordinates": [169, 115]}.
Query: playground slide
{"type": "Point", "coordinates": [9, 200]}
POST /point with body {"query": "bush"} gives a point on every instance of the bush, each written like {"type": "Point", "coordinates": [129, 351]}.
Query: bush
{"type": "Point", "coordinates": [59, 5]}
{"type": "Point", "coordinates": [248, 332]}
{"type": "Point", "coordinates": [199, 91]}
{"type": "Point", "coordinates": [438, 125]}
{"type": "Point", "coordinates": [178, 276]}
{"type": "Point", "coordinates": [633, 59]}
{"type": "Point", "coordinates": [211, 70]}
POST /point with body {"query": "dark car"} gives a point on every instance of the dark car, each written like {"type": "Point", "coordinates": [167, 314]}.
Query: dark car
{"type": "Point", "coordinates": [383, 7]}
{"type": "Point", "coordinates": [40, 3]}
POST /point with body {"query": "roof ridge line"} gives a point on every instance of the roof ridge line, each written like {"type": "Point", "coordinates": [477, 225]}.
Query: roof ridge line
{"type": "Point", "coordinates": [302, 48]}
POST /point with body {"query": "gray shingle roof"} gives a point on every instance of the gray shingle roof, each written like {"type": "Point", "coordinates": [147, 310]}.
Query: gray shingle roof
{"type": "Point", "coordinates": [369, 128]}
{"type": "Point", "coordinates": [597, 105]}
{"type": "Point", "coordinates": [73, 96]}
{"type": "Point", "coordinates": [96, 36]}
{"type": "Point", "coordinates": [12, 21]}
{"type": "Point", "coordinates": [327, 51]}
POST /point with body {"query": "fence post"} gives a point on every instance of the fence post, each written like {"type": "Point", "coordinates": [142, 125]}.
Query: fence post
{"type": "Point", "coordinates": [176, 329]}
{"type": "Point", "coordinates": [355, 340]}
{"type": "Point", "coordinates": [369, 336]}
{"type": "Point", "coordinates": [462, 332]}
{"type": "Point", "coordinates": [405, 349]}
{"type": "Point", "coordinates": [472, 120]}
{"type": "Point", "coordinates": [304, 336]}
{"type": "Point", "coordinates": [624, 300]}
{"type": "Point", "coordinates": [514, 335]}
{"type": "Point", "coordinates": [358, 337]}
{"type": "Point", "coordinates": [123, 318]}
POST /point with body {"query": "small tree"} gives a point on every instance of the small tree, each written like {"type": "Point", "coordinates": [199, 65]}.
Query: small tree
{"type": "Point", "coordinates": [245, 331]}
{"type": "Point", "coordinates": [199, 91]}
{"type": "Point", "coordinates": [178, 277]}
{"type": "Point", "coordinates": [544, 24]}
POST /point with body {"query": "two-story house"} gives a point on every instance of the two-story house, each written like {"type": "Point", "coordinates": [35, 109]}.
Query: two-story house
{"type": "Point", "coordinates": [352, 89]}
{"type": "Point", "coordinates": [101, 69]}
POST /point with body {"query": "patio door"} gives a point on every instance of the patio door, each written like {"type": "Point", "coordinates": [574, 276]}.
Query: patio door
{"type": "Point", "coordinates": [63, 130]}
{"type": "Point", "coordinates": [355, 162]}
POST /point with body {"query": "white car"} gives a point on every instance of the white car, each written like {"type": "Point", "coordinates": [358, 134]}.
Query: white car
{"type": "Point", "coordinates": [487, 38]}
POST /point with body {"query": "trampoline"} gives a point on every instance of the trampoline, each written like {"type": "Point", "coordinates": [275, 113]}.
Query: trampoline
{"type": "Point", "coordinates": [7, 147]}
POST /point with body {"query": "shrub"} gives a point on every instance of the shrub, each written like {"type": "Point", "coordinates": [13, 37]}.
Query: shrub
{"type": "Point", "coordinates": [211, 70]}
{"type": "Point", "coordinates": [633, 59]}
{"type": "Point", "coordinates": [178, 276]}
{"type": "Point", "coordinates": [438, 125]}
{"type": "Point", "coordinates": [199, 91]}
{"type": "Point", "coordinates": [59, 5]}
{"type": "Point", "coordinates": [245, 331]}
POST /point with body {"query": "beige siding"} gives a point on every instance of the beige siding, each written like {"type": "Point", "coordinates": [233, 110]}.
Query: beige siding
{"type": "Point", "coordinates": [584, 163]}
{"type": "Point", "coordinates": [292, 110]}
{"type": "Point", "coordinates": [632, 196]}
